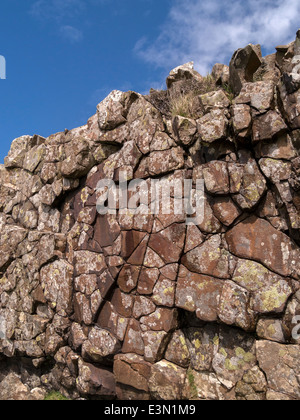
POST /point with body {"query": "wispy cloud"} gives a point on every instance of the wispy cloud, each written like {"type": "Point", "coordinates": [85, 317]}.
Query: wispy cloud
{"type": "Point", "coordinates": [210, 31]}
{"type": "Point", "coordinates": [56, 9]}
{"type": "Point", "coordinates": [60, 12]}
{"type": "Point", "coordinates": [71, 34]}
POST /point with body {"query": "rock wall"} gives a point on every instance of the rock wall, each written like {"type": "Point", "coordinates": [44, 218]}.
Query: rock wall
{"type": "Point", "coordinates": [146, 306]}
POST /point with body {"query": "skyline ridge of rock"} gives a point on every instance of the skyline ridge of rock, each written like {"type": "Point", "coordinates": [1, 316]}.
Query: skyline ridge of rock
{"type": "Point", "coordinates": [146, 306]}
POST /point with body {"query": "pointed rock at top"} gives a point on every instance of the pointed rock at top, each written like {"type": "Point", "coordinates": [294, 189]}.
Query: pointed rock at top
{"type": "Point", "coordinates": [243, 65]}
{"type": "Point", "coordinates": [181, 75]}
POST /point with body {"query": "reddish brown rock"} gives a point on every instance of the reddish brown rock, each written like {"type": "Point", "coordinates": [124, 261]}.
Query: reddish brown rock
{"type": "Point", "coordinates": [168, 244]}
{"type": "Point", "coordinates": [155, 345]}
{"type": "Point", "coordinates": [214, 100]}
{"type": "Point", "coordinates": [137, 258]}
{"type": "Point", "coordinates": [242, 120]}
{"type": "Point", "coordinates": [234, 309]}
{"type": "Point", "coordinates": [213, 126]}
{"type": "Point", "coordinates": [251, 187]}
{"type": "Point", "coordinates": [87, 262]}
{"type": "Point", "coordinates": [100, 347]}
{"type": "Point", "coordinates": [95, 381]}
{"type": "Point", "coordinates": [177, 350]}
{"type": "Point", "coordinates": [226, 210]}
{"type": "Point", "coordinates": [167, 381]}
{"type": "Point", "coordinates": [260, 95]}
{"type": "Point", "coordinates": [280, 362]}
{"type": "Point", "coordinates": [199, 294]}
{"type": "Point", "coordinates": [132, 371]}
{"type": "Point", "coordinates": [268, 125]}
{"type": "Point", "coordinates": [133, 342]}
{"type": "Point", "coordinates": [216, 177]}
{"type": "Point", "coordinates": [122, 302]}
{"type": "Point", "coordinates": [178, 310]}
{"type": "Point", "coordinates": [143, 306]}
{"type": "Point", "coordinates": [106, 230]}
{"type": "Point", "coordinates": [111, 320]}
{"type": "Point", "coordinates": [130, 241]}
{"type": "Point", "coordinates": [144, 121]}
{"type": "Point", "coordinates": [185, 130]}
{"type": "Point", "coordinates": [57, 284]}
{"type": "Point", "coordinates": [194, 238]}
{"type": "Point", "coordinates": [161, 163]}
{"type": "Point", "coordinates": [164, 292]}
{"type": "Point", "coordinates": [162, 319]}
{"type": "Point", "coordinates": [243, 65]}
{"type": "Point", "coordinates": [209, 258]}
{"type": "Point", "coordinates": [147, 280]}
{"type": "Point", "coordinates": [128, 278]}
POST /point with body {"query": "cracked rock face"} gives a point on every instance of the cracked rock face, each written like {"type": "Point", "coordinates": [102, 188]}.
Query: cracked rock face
{"type": "Point", "coordinates": [143, 305]}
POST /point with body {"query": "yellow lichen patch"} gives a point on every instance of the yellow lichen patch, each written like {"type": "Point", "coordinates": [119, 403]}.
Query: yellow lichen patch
{"type": "Point", "coordinates": [223, 352]}
{"type": "Point", "coordinates": [251, 275]}
{"type": "Point", "coordinates": [197, 344]}
{"type": "Point", "coordinates": [216, 341]}
{"type": "Point", "coordinates": [273, 299]}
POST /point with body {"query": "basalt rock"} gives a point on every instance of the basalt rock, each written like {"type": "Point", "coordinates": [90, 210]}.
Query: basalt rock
{"type": "Point", "coordinates": [164, 302]}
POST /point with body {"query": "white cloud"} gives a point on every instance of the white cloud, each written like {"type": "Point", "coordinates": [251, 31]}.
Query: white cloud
{"type": "Point", "coordinates": [56, 9]}
{"type": "Point", "coordinates": [209, 31]}
{"type": "Point", "coordinates": [59, 12]}
{"type": "Point", "coordinates": [71, 34]}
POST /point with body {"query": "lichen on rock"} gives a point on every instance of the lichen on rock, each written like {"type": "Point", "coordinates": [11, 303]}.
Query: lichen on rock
{"type": "Point", "coordinates": [142, 305]}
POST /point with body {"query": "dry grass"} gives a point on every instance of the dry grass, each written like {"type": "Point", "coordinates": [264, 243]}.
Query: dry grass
{"type": "Point", "coordinates": [183, 106]}
{"type": "Point", "coordinates": [186, 104]}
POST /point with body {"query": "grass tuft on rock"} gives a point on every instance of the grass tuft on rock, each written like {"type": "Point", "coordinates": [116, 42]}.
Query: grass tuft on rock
{"type": "Point", "coordinates": [55, 396]}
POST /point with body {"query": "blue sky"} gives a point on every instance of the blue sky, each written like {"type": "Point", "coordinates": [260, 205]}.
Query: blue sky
{"type": "Point", "coordinates": [64, 56]}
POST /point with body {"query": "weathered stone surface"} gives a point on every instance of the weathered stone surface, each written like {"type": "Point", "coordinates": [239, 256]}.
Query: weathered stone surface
{"type": "Point", "coordinates": [213, 100]}
{"type": "Point", "coordinates": [209, 259]}
{"type": "Point", "coordinates": [161, 163]}
{"type": "Point", "coordinates": [270, 292]}
{"type": "Point", "coordinates": [185, 130]}
{"type": "Point", "coordinates": [199, 294]}
{"type": "Point", "coordinates": [112, 112]}
{"type": "Point", "coordinates": [57, 284]}
{"type": "Point", "coordinates": [220, 73]}
{"type": "Point", "coordinates": [253, 386]}
{"type": "Point", "coordinates": [241, 117]}
{"type": "Point", "coordinates": [181, 298]}
{"type": "Point", "coordinates": [271, 329]}
{"type": "Point", "coordinates": [132, 371]}
{"type": "Point", "coordinates": [168, 244]}
{"type": "Point", "coordinates": [256, 239]}
{"type": "Point", "coordinates": [267, 126]}
{"type": "Point", "coordinates": [96, 382]}
{"type": "Point", "coordinates": [235, 355]}
{"type": "Point", "coordinates": [226, 210]}
{"type": "Point", "coordinates": [167, 381]}
{"type": "Point", "coordinates": [144, 121]}
{"type": "Point", "coordinates": [281, 366]}
{"type": "Point", "coordinates": [213, 126]}
{"type": "Point", "coordinates": [203, 386]}
{"type": "Point", "coordinates": [250, 187]}
{"type": "Point", "coordinates": [100, 347]}
{"type": "Point", "coordinates": [259, 95]}
{"type": "Point", "coordinates": [181, 79]}
{"type": "Point", "coordinates": [177, 351]}
{"type": "Point", "coordinates": [281, 148]}
{"type": "Point", "coordinates": [18, 150]}
{"type": "Point", "coordinates": [216, 178]}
